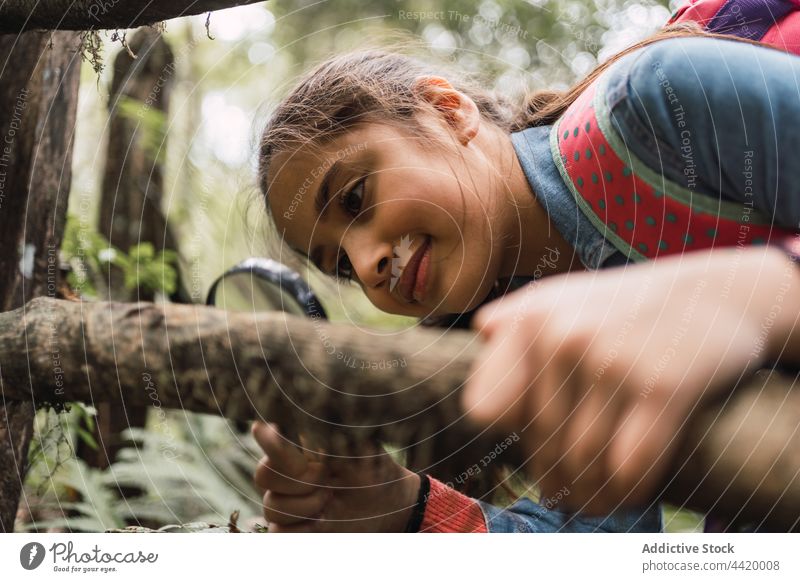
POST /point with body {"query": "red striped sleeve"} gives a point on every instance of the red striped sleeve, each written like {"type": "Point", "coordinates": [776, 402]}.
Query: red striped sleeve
{"type": "Point", "coordinates": [448, 511]}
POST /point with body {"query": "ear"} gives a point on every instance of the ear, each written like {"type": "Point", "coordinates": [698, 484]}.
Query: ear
{"type": "Point", "coordinates": [458, 109]}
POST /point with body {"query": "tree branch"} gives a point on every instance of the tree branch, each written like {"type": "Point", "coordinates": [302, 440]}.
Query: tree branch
{"type": "Point", "coordinates": [19, 15]}
{"type": "Point", "coordinates": [338, 384]}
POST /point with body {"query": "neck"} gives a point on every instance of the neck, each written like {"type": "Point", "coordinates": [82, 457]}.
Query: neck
{"type": "Point", "coordinates": [535, 247]}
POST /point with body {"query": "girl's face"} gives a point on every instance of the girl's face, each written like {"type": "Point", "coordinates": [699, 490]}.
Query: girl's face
{"type": "Point", "coordinates": [386, 194]}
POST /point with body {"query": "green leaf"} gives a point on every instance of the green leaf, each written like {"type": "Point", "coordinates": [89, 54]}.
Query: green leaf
{"type": "Point", "coordinates": [87, 438]}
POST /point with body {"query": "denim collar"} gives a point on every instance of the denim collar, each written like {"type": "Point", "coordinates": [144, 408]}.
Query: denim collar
{"type": "Point", "coordinates": [533, 150]}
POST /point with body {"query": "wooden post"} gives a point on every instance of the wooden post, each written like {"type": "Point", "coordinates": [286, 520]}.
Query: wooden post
{"type": "Point", "coordinates": [38, 99]}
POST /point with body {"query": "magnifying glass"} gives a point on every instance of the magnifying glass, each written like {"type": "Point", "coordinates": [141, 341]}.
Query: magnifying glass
{"type": "Point", "coordinates": [260, 284]}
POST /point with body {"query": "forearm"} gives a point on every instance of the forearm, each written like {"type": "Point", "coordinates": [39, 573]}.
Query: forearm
{"type": "Point", "coordinates": [755, 291]}
{"type": "Point", "coordinates": [781, 324]}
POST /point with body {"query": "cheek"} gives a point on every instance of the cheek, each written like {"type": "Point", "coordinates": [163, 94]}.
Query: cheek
{"type": "Point", "coordinates": [469, 273]}
{"type": "Point", "coordinates": [388, 304]}
{"type": "Point", "coordinates": [426, 193]}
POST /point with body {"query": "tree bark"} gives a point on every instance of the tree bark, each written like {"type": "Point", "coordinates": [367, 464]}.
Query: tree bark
{"type": "Point", "coordinates": [38, 99]}
{"type": "Point", "coordinates": [133, 179]}
{"type": "Point", "coordinates": [131, 197]}
{"type": "Point", "coordinates": [322, 379]}
{"type": "Point", "coordinates": [20, 15]}
{"type": "Point", "coordinates": [739, 458]}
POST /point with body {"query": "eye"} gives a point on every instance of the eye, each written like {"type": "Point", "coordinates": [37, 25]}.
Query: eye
{"type": "Point", "coordinates": [344, 270]}
{"type": "Point", "coordinates": [352, 200]}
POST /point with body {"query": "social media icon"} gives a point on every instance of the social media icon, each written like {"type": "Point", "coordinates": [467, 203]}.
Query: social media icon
{"type": "Point", "coordinates": [31, 555]}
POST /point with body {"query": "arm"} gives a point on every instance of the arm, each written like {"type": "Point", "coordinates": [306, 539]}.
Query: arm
{"type": "Point", "coordinates": [784, 344]}
{"type": "Point", "coordinates": [303, 494]}
{"type": "Point", "coordinates": [599, 371]}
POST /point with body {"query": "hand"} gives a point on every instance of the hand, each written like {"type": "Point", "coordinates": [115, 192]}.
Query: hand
{"type": "Point", "coordinates": [310, 492]}
{"type": "Point", "coordinates": [598, 372]}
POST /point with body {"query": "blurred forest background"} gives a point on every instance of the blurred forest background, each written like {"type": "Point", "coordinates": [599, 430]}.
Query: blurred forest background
{"type": "Point", "coordinates": [229, 69]}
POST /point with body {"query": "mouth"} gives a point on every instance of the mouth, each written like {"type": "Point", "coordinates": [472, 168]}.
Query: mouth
{"type": "Point", "coordinates": [413, 281]}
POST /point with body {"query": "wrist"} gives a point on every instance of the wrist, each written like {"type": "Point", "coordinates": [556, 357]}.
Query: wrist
{"type": "Point", "coordinates": [420, 503]}
{"type": "Point", "coordinates": [408, 491]}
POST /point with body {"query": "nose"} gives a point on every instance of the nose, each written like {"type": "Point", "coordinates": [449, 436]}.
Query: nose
{"type": "Point", "coordinates": [371, 262]}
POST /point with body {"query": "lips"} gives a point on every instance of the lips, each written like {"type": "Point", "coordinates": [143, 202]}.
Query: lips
{"type": "Point", "coordinates": [408, 279]}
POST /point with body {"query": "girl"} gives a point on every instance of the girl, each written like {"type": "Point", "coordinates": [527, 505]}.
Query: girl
{"type": "Point", "coordinates": [435, 196]}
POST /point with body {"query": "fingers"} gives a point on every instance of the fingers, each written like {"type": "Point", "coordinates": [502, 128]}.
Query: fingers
{"type": "Point", "coordinates": [370, 461]}
{"type": "Point", "coordinates": [498, 313]}
{"type": "Point", "coordinates": [284, 469]}
{"type": "Point", "coordinates": [283, 455]}
{"type": "Point", "coordinates": [585, 461]}
{"type": "Point", "coordinates": [550, 404]}
{"type": "Point", "coordinates": [639, 453]}
{"type": "Point", "coordinates": [499, 381]}
{"type": "Point", "coordinates": [553, 405]}
{"type": "Point", "coordinates": [487, 314]}
{"type": "Point", "coordinates": [295, 509]}
{"type": "Point", "coordinates": [267, 477]}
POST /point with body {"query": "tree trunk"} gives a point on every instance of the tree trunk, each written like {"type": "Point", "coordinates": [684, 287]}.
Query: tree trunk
{"type": "Point", "coordinates": [19, 15]}
{"type": "Point", "coordinates": [339, 385]}
{"type": "Point", "coordinates": [131, 196]}
{"type": "Point", "coordinates": [133, 180]}
{"type": "Point", "coordinates": [38, 98]}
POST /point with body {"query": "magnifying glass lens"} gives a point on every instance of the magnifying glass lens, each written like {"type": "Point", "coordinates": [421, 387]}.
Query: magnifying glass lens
{"type": "Point", "coordinates": [260, 284]}
{"type": "Point", "coordinates": [247, 292]}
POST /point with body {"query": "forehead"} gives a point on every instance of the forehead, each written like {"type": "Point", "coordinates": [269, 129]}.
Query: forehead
{"type": "Point", "coordinates": [295, 176]}
{"type": "Point", "coordinates": [294, 184]}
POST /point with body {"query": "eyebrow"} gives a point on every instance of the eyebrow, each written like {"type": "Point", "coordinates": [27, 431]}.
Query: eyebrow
{"type": "Point", "coordinates": [321, 205]}
{"type": "Point", "coordinates": [321, 200]}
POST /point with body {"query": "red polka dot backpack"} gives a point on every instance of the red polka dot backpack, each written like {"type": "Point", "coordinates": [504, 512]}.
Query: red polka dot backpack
{"type": "Point", "coordinates": [639, 211]}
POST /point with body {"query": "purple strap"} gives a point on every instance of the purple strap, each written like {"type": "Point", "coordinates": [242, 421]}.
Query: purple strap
{"type": "Point", "coordinates": [749, 19]}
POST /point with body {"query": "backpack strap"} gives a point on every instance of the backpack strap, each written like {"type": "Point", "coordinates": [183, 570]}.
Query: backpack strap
{"type": "Point", "coordinates": [640, 211]}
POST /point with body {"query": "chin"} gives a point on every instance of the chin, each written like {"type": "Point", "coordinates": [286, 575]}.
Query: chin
{"type": "Point", "coordinates": [452, 305]}
{"type": "Point", "coordinates": [475, 299]}
{"type": "Point", "coordinates": [474, 304]}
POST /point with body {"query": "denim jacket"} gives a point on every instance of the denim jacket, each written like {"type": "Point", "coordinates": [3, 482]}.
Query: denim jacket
{"type": "Point", "coordinates": [737, 102]}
